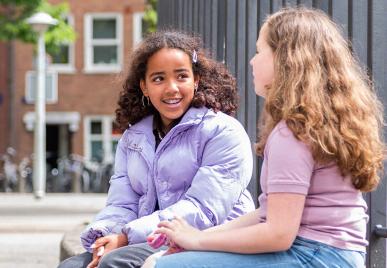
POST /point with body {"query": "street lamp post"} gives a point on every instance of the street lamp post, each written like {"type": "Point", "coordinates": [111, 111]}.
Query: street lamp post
{"type": "Point", "coordinates": [40, 22]}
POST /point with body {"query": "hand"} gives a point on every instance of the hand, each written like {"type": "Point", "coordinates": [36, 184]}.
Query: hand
{"type": "Point", "coordinates": [181, 233]}
{"type": "Point", "coordinates": [106, 244]}
{"type": "Point", "coordinates": [97, 253]}
{"type": "Point", "coordinates": [156, 240]}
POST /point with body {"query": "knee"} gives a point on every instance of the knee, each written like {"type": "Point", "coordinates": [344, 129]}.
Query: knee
{"type": "Point", "coordinates": [77, 261]}
{"type": "Point", "coordinates": [121, 257]}
{"type": "Point", "coordinates": [63, 264]}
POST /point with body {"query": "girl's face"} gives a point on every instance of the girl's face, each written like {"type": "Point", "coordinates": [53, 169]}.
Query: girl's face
{"type": "Point", "coordinates": [263, 64]}
{"type": "Point", "coordinates": [169, 83]}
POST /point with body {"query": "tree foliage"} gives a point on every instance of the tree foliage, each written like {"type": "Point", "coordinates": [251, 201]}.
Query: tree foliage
{"type": "Point", "coordinates": [13, 15]}
{"type": "Point", "coordinates": [150, 16]}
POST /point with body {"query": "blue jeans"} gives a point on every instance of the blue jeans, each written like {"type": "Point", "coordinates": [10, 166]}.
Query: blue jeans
{"type": "Point", "coordinates": [303, 253]}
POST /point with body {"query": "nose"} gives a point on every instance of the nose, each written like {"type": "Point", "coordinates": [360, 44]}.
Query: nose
{"type": "Point", "coordinates": [172, 86]}
{"type": "Point", "coordinates": [251, 61]}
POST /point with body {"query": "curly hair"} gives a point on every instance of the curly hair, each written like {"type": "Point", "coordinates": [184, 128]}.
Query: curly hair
{"type": "Point", "coordinates": [216, 89]}
{"type": "Point", "coordinates": [323, 95]}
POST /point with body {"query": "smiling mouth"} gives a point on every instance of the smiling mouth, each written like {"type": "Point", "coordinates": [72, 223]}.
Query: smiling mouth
{"type": "Point", "coordinates": [172, 101]}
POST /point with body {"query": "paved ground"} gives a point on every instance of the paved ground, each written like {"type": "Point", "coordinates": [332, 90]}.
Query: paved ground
{"type": "Point", "coordinates": [31, 230]}
{"type": "Point", "coordinates": [37, 250]}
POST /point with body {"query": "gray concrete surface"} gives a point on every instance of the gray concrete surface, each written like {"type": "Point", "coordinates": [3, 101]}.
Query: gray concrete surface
{"type": "Point", "coordinates": [35, 250]}
{"type": "Point", "coordinates": [69, 245]}
{"type": "Point", "coordinates": [31, 230]}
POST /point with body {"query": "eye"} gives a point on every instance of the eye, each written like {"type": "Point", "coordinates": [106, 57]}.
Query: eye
{"type": "Point", "coordinates": [182, 76]}
{"type": "Point", "coordinates": [157, 79]}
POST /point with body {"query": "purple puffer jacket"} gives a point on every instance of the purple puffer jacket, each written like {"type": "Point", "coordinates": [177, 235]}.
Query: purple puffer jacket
{"type": "Point", "coordinates": [199, 171]}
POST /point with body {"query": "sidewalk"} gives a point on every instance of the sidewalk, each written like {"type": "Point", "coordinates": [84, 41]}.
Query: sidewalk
{"type": "Point", "coordinates": [31, 229]}
{"type": "Point", "coordinates": [54, 212]}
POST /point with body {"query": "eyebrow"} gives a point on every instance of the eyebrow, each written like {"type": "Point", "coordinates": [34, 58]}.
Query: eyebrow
{"type": "Point", "coordinates": [156, 73]}
{"type": "Point", "coordinates": [175, 71]}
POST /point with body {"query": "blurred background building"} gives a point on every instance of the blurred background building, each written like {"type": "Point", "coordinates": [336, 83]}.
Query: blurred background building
{"type": "Point", "coordinates": [82, 84]}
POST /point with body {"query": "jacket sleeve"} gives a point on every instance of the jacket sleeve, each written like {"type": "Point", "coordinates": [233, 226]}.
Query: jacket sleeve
{"type": "Point", "coordinates": [225, 172]}
{"type": "Point", "coordinates": [121, 206]}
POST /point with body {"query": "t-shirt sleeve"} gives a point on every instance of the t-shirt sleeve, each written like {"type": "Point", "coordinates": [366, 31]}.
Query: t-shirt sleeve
{"type": "Point", "coordinates": [290, 163]}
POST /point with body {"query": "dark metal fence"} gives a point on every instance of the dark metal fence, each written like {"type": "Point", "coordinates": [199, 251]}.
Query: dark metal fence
{"type": "Point", "coordinates": [229, 29]}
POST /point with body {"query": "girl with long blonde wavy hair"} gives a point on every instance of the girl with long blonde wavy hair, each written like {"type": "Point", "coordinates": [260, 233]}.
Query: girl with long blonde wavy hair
{"type": "Point", "coordinates": [321, 144]}
{"type": "Point", "coordinates": [324, 96]}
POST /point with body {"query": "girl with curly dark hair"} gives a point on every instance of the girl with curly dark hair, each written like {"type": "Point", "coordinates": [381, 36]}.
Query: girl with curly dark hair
{"type": "Point", "coordinates": [214, 88]}
{"type": "Point", "coordinates": [181, 153]}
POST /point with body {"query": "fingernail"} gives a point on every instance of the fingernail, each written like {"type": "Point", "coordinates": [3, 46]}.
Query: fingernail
{"type": "Point", "coordinates": [100, 251]}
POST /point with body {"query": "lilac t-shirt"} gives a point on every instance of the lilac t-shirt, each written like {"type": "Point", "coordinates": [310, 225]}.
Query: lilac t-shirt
{"type": "Point", "coordinates": [334, 212]}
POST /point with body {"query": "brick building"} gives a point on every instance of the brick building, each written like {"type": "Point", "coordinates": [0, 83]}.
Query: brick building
{"type": "Point", "coordinates": [83, 82]}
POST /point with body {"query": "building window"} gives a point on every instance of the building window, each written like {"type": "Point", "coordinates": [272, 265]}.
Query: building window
{"type": "Point", "coordinates": [101, 138]}
{"type": "Point", "coordinates": [103, 42]}
{"type": "Point", "coordinates": [138, 29]}
{"type": "Point", "coordinates": [62, 61]}
{"type": "Point", "coordinates": [51, 87]}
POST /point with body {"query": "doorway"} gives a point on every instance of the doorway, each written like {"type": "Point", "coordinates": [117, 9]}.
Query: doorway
{"type": "Point", "coordinates": [58, 148]}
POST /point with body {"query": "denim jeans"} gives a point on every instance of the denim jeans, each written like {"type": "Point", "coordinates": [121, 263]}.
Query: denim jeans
{"type": "Point", "coordinates": [132, 256]}
{"type": "Point", "coordinates": [303, 253]}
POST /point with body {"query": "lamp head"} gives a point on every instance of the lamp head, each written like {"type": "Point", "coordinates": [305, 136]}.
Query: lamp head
{"type": "Point", "coordinates": [41, 21]}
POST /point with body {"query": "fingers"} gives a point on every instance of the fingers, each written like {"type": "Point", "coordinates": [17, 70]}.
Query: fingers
{"type": "Point", "coordinates": [95, 253]}
{"type": "Point", "coordinates": [100, 242]}
{"type": "Point", "coordinates": [166, 224]}
{"type": "Point", "coordinates": [150, 238]}
{"type": "Point", "coordinates": [93, 263]}
{"type": "Point", "coordinates": [173, 249]}
{"type": "Point", "coordinates": [100, 251]}
{"type": "Point", "coordinates": [159, 240]}
{"type": "Point", "coordinates": [163, 230]}
{"type": "Point", "coordinates": [183, 223]}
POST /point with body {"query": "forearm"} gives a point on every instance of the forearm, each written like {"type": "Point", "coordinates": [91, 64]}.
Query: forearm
{"type": "Point", "coordinates": [242, 221]}
{"type": "Point", "coordinates": [257, 238]}
{"type": "Point", "coordinates": [277, 233]}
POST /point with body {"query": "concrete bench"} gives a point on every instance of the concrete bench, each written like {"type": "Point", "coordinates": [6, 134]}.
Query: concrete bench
{"type": "Point", "coordinates": [71, 244]}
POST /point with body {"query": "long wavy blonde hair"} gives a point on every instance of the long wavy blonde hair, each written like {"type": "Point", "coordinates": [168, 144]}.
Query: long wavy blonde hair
{"type": "Point", "coordinates": [323, 95]}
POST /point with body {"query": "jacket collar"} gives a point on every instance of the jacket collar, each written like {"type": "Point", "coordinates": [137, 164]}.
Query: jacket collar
{"type": "Point", "coordinates": [144, 129]}
{"type": "Point", "coordinates": [192, 117]}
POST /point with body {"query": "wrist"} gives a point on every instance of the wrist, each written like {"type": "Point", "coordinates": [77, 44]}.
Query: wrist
{"type": "Point", "coordinates": [122, 240]}
{"type": "Point", "coordinates": [200, 242]}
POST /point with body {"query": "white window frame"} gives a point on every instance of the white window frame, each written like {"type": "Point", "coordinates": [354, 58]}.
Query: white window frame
{"type": "Point", "coordinates": [90, 67]}
{"type": "Point", "coordinates": [54, 86]}
{"type": "Point", "coordinates": [106, 136]}
{"type": "Point", "coordinates": [67, 67]}
{"type": "Point", "coordinates": [137, 28]}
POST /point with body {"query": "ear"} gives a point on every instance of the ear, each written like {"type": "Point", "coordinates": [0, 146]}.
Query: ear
{"type": "Point", "coordinates": [196, 80]}
{"type": "Point", "coordinates": [143, 88]}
